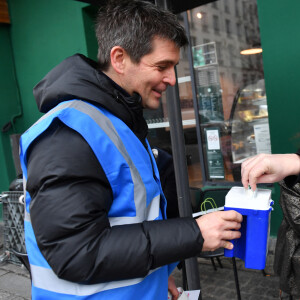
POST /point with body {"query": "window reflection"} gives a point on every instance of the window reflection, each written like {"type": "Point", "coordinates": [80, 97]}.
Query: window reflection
{"type": "Point", "coordinates": [230, 96]}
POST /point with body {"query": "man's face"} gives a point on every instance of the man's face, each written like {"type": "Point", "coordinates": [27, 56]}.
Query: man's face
{"type": "Point", "coordinates": [154, 73]}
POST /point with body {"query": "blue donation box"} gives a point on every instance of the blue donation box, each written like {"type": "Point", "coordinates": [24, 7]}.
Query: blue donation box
{"type": "Point", "coordinates": [256, 208]}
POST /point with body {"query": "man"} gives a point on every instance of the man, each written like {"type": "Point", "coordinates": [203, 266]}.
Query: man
{"type": "Point", "coordinates": [95, 224]}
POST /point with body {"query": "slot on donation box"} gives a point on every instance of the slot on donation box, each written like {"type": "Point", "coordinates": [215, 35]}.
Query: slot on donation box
{"type": "Point", "coordinates": [256, 208]}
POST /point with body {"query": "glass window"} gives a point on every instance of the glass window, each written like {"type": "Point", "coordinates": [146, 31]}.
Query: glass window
{"type": "Point", "coordinates": [226, 7]}
{"type": "Point", "coordinates": [204, 21]}
{"type": "Point", "coordinates": [226, 119]}
{"type": "Point", "coordinates": [228, 28]}
{"type": "Point", "coordinates": [215, 5]}
{"type": "Point", "coordinates": [216, 24]}
{"type": "Point", "coordinates": [237, 8]}
{"type": "Point", "coordinates": [239, 29]}
{"type": "Point", "coordinates": [245, 10]}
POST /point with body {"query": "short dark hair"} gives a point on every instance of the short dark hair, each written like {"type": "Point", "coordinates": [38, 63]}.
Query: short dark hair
{"type": "Point", "coordinates": [132, 25]}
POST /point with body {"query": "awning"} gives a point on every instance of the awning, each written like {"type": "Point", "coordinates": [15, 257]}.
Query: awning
{"type": "Point", "coordinates": [176, 6]}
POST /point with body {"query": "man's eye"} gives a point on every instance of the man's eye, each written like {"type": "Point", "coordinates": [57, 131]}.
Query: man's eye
{"type": "Point", "coordinates": [161, 68]}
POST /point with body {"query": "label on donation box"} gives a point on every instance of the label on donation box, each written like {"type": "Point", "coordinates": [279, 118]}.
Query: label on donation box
{"type": "Point", "coordinates": [255, 207]}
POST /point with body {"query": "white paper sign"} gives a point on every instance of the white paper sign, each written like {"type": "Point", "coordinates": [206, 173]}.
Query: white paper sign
{"type": "Point", "coordinates": [262, 138]}
{"type": "Point", "coordinates": [213, 140]}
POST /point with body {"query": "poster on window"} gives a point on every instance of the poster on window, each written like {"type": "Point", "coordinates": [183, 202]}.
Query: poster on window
{"type": "Point", "coordinates": [214, 156]}
{"type": "Point", "coordinates": [262, 138]}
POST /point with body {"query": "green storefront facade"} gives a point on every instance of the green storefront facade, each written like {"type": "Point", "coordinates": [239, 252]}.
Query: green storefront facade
{"type": "Point", "coordinates": [42, 33]}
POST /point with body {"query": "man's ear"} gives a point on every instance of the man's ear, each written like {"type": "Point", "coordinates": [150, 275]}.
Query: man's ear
{"type": "Point", "coordinates": [118, 57]}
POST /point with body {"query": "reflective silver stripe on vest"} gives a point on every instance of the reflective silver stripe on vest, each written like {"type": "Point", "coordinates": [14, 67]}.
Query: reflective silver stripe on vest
{"type": "Point", "coordinates": [152, 210]}
{"type": "Point", "coordinates": [142, 212]}
{"type": "Point", "coordinates": [47, 280]}
{"type": "Point", "coordinates": [26, 214]}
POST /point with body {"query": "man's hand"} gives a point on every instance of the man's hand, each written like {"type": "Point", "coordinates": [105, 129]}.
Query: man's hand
{"type": "Point", "coordinates": [172, 288]}
{"type": "Point", "coordinates": [269, 168]}
{"type": "Point", "coordinates": [218, 228]}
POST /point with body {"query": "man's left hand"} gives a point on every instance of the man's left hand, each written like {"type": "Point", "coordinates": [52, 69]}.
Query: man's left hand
{"type": "Point", "coordinates": [172, 288]}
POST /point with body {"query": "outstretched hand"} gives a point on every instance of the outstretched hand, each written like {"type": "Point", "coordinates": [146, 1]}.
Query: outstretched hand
{"type": "Point", "coordinates": [218, 228]}
{"type": "Point", "coordinates": [269, 168]}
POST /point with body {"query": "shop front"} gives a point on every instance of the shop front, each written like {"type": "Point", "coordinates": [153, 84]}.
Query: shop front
{"type": "Point", "coordinates": [232, 105]}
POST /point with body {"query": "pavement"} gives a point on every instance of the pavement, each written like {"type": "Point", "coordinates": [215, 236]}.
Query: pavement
{"type": "Point", "coordinates": [220, 284]}
{"type": "Point", "coordinates": [215, 284]}
{"type": "Point", "coordinates": [14, 278]}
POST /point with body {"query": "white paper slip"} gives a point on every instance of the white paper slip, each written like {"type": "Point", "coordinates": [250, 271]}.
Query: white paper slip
{"type": "Point", "coordinates": [193, 295]}
{"type": "Point", "coordinates": [186, 295]}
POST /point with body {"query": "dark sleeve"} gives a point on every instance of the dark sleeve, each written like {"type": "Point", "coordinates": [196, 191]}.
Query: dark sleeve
{"type": "Point", "coordinates": [71, 198]}
{"type": "Point", "coordinates": [290, 204]}
{"type": "Point", "coordinates": [291, 180]}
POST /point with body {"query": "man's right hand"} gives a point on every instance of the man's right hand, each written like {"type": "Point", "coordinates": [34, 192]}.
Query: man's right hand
{"type": "Point", "coordinates": [218, 228]}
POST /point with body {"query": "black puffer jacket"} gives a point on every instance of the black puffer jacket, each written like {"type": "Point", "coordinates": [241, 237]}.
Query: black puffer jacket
{"type": "Point", "coordinates": [71, 195]}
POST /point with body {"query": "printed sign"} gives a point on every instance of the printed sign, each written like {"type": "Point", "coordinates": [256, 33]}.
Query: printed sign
{"type": "Point", "coordinates": [213, 140]}
{"type": "Point", "coordinates": [214, 156]}
{"type": "Point", "coordinates": [262, 138]}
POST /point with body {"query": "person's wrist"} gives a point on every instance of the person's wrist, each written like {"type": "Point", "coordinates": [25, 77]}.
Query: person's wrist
{"type": "Point", "coordinates": [298, 156]}
{"type": "Point", "coordinates": [296, 164]}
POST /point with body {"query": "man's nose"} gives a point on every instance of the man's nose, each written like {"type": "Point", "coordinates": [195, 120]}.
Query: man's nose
{"type": "Point", "coordinates": [170, 77]}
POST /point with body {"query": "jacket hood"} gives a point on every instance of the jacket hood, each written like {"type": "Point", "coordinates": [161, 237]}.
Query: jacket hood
{"type": "Point", "coordinates": [78, 77]}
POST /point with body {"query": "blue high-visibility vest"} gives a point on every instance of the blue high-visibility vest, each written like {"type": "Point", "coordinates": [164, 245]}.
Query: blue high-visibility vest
{"type": "Point", "coordinates": [137, 196]}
